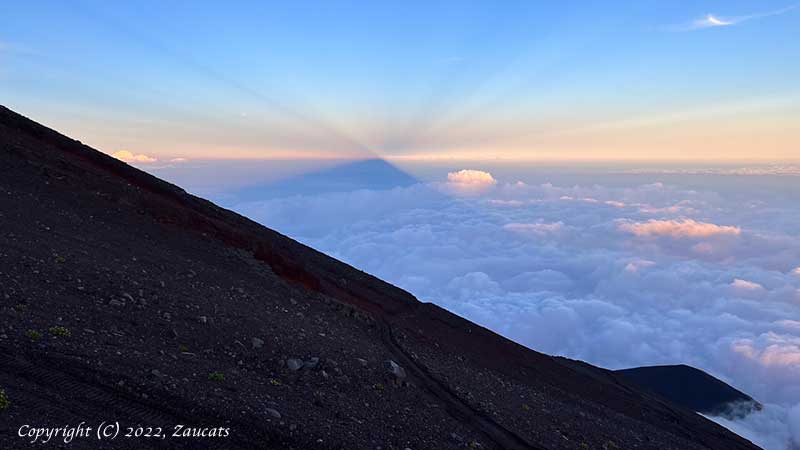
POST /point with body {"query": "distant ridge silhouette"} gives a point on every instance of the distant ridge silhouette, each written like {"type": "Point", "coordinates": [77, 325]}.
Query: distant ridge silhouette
{"type": "Point", "coordinates": [694, 389]}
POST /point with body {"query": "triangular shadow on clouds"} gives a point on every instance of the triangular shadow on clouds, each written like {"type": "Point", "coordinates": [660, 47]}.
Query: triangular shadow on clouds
{"type": "Point", "coordinates": [372, 174]}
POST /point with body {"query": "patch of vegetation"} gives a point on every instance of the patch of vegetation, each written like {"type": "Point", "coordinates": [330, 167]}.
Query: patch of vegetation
{"type": "Point", "coordinates": [59, 259]}
{"type": "Point", "coordinates": [378, 386]}
{"type": "Point", "coordinates": [4, 401]}
{"type": "Point", "coordinates": [20, 307]}
{"type": "Point", "coordinates": [275, 382]}
{"type": "Point", "coordinates": [60, 331]}
{"type": "Point", "coordinates": [33, 335]}
{"type": "Point", "coordinates": [216, 376]}
{"type": "Point", "coordinates": [183, 349]}
{"type": "Point", "coordinates": [525, 407]}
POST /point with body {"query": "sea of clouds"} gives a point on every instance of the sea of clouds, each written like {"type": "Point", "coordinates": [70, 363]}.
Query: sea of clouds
{"type": "Point", "coordinates": [619, 276]}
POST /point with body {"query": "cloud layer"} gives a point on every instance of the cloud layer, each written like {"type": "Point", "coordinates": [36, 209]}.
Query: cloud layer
{"type": "Point", "coordinates": [617, 276]}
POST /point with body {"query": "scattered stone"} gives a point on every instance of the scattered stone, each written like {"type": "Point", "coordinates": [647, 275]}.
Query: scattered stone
{"type": "Point", "coordinates": [115, 302]}
{"type": "Point", "coordinates": [312, 363]}
{"type": "Point", "coordinates": [127, 297]}
{"type": "Point", "coordinates": [294, 364]}
{"type": "Point", "coordinates": [257, 343]}
{"type": "Point", "coordinates": [362, 361]}
{"type": "Point", "coordinates": [395, 369]}
{"type": "Point", "coordinates": [273, 413]}
{"type": "Point", "coordinates": [202, 319]}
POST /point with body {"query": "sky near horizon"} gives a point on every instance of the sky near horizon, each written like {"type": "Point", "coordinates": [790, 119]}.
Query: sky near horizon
{"type": "Point", "coordinates": [657, 81]}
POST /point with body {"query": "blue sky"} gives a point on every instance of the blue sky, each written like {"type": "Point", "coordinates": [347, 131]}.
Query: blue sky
{"type": "Point", "coordinates": [528, 79]}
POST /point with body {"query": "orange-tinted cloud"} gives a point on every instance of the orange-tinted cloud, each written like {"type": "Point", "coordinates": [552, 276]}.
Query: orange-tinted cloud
{"type": "Point", "coordinates": [129, 157]}
{"type": "Point", "coordinates": [686, 228]}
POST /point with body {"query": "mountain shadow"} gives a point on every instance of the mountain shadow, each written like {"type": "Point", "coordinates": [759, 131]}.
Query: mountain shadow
{"type": "Point", "coordinates": [373, 174]}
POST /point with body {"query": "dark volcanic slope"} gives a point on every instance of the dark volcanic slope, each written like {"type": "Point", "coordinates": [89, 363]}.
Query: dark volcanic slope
{"type": "Point", "coordinates": [124, 298]}
{"type": "Point", "coordinates": [691, 388]}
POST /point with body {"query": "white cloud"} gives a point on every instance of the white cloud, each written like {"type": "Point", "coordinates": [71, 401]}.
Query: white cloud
{"type": "Point", "coordinates": [508, 203]}
{"type": "Point", "coordinates": [771, 350]}
{"type": "Point", "coordinates": [794, 424]}
{"type": "Point", "coordinates": [714, 21]}
{"type": "Point", "coordinates": [537, 228]}
{"type": "Point", "coordinates": [128, 157]}
{"type": "Point", "coordinates": [711, 21]}
{"type": "Point", "coordinates": [796, 272]}
{"type": "Point", "coordinates": [472, 177]}
{"type": "Point", "coordinates": [792, 324]}
{"type": "Point", "coordinates": [773, 428]}
{"type": "Point", "coordinates": [469, 182]}
{"type": "Point", "coordinates": [639, 264]}
{"type": "Point", "coordinates": [744, 285]}
{"type": "Point", "coordinates": [686, 228]}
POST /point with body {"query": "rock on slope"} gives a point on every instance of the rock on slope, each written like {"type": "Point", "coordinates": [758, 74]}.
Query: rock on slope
{"type": "Point", "coordinates": [124, 298]}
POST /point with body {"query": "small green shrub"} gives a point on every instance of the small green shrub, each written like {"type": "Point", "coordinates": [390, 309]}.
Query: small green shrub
{"type": "Point", "coordinates": [33, 335]}
{"type": "Point", "coordinates": [20, 307]}
{"type": "Point", "coordinates": [216, 376]}
{"type": "Point", "coordinates": [4, 402]}
{"type": "Point", "coordinates": [183, 348]}
{"type": "Point", "coordinates": [60, 331]}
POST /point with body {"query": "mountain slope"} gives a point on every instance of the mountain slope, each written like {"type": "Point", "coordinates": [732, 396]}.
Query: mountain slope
{"type": "Point", "coordinates": [125, 298]}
